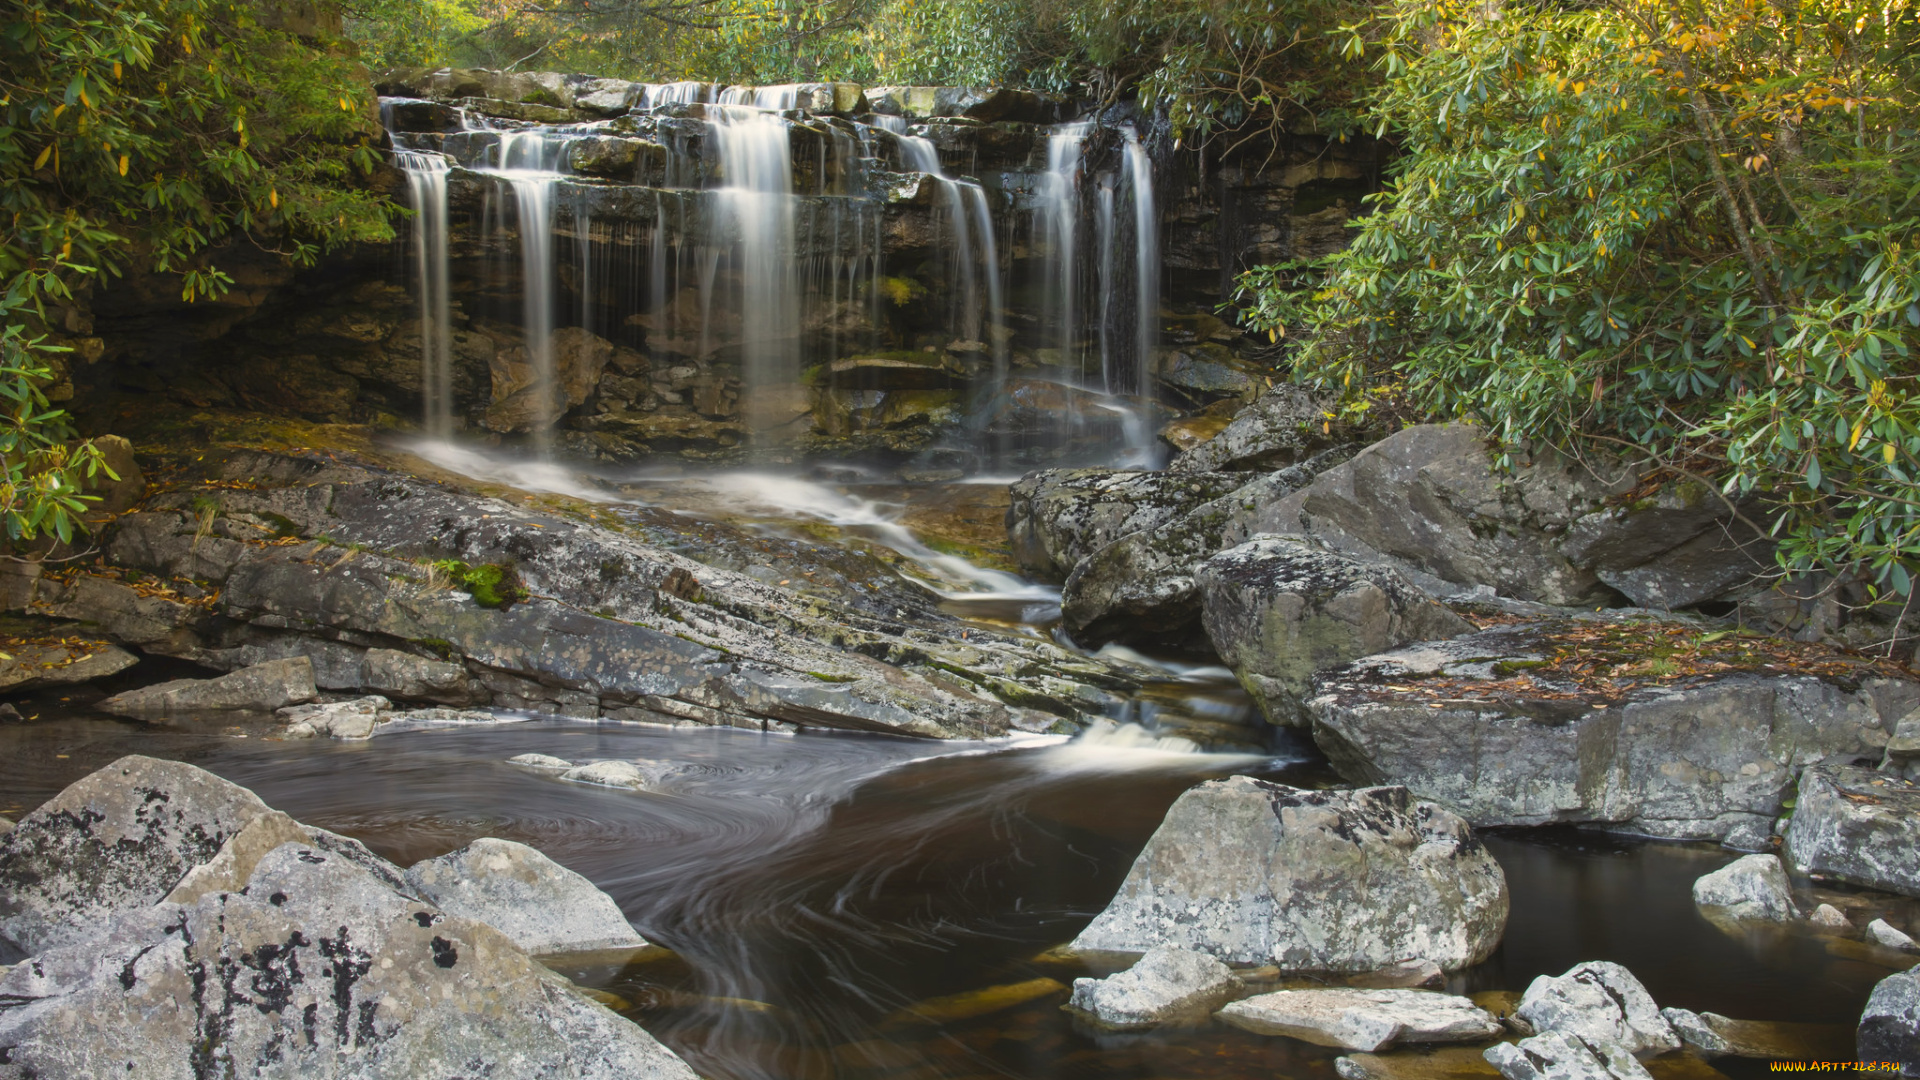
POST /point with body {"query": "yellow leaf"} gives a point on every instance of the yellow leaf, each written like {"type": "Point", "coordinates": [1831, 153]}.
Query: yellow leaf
{"type": "Point", "coordinates": [345, 106]}
{"type": "Point", "coordinates": [123, 164]}
{"type": "Point", "coordinates": [1887, 453]}
{"type": "Point", "coordinates": [185, 44]}
{"type": "Point", "coordinates": [44, 155]}
{"type": "Point", "coordinates": [1272, 336]}
{"type": "Point", "coordinates": [273, 198]}
{"type": "Point", "coordinates": [84, 101]}
{"type": "Point", "coordinates": [116, 70]}
{"type": "Point", "coordinates": [1858, 430]}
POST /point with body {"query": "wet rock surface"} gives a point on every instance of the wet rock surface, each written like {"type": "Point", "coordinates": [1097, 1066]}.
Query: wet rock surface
{"type": "Point", "coordinates": [33, 665]}
{"type": "Point", "coordinates": [1857, 825]}
{"type": "Point", "coordinates": [538, 904]}
{"type": "Point", "coordinates": [1283, 426]}
{"type": "Point", "coordinates": [1279, 608]}
{"type": "Point", "coordinates": [1334, 881]}
{"type": "Point", "coordinates": [1168, 983]}
{"type": "Point", "coordinates": [1559, 1055]}
{"type": "Point", "coordinates": [1059, 517]}
{"type": "Point", "coordinates": [1366, 1020]}
{"type": "Point", "coordinates": [616, 624]}
{"type": "Point", "coordinates": [1890, 1025]}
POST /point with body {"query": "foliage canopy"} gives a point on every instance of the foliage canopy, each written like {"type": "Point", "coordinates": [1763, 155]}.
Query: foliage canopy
{"type": "Point", "coordinates": [1681, 227]}
{"type": "Point", "coordinates": [141, 135]}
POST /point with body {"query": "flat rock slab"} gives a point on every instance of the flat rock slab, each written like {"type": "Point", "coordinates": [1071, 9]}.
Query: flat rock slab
{"type": "Point", "coordinates": [266, 687]}
{"type": "Point", "coordinates": [1317, 881]}
{"type": "Point", "coordinates": [542, 906]}
{"type": "Point", "coordinates": [1858, 826]}
{"type": "Point", "coordinates": [116, 840]}
{"type": "Point", "coordinates": [1167, 984]}
{"type": "Point", "coordinates": [1364, 1019]}
{"type": "Point", "coordinates": [33, 665]}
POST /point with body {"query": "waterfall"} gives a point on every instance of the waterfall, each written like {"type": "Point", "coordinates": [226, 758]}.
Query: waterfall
{"type": "Point", "coordinates": [533, 197]}
{"type": "Point", "coordinates": [1057, 224]}
{"type": "Point", "coordinates": [755, 212]}
{"type": "Point", "coordinates": [1146, 263]}
{"type": "Point", "coordinates": [427, 183]}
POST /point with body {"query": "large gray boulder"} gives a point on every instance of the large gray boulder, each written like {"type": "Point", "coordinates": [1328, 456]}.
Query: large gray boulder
{"type": "Point", "coordinates": [1168, 983]}
{"type": "Point", "coordinates": [1330, 881]}
{"type": "Point", "coordinates": [1431, 500]}
{"type": "Point", "coordinates": [1284, 425]}
{"type": "Point", "coordinates": [316, 969]}
{"type": "Point", "coordinates": [541, 906]}
{"type": "Point", "coordinates": [1673, 549]}
{"type": "Point", "coordinates": [1366, 1020]}
{"type": "Point", "coordinates": [1890, 1024]}
{"type": "Point", "coordinates": [1859, 826]}
{"type": "Point", "coordinates": [1279, 608]}
{"type": "Point", "coordinates": [1598, 1002]}
{"type": "Point", "coordinates": [1705, 759]}
{"type": "Point", "coordinates": [1057, 517]}
{"type": "Point", "coordinates": [275, 684]}
{"type": "Point", "coordinates": [1753, 887]}
{"type": "Point", "coordinates": [1558, 1055]}
{"type": "Point", "coordinates": [116, 840]}
{"type": "Point", "coordinates": [1141, 585]}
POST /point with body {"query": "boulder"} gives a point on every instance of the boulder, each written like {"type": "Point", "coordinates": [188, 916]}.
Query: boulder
{"type": "Point", "coordinates": [1431, 500]}
{"type": "Point", "coordinates": [1881, 932]}
{"type": "Point", "coordinates": [260, 688]}
{"type": "Point", "coordinates": [1143, 581]}
{"type": "Point", "coordinates": [545, 762]}
{"type": "Point", "coordinates": [1694, 1030]}
{"type": "Point", "coordinates": [1858, 826]}
{"type": "Point", "coordinates": [116, 840]}
{"type": "Point", "coordinates": [1558, 1055]}
{"type": "Point", "coordinates": [1366, 1020]}
{"type": "Point", "coordinates": [1754, 887]}
{"type": "Point", "coordinates": [317, 968]}
{"type": "Point", "coordinates": [1285, 425]}
{"type": "Point", "coordinates": [1598, 1002]}
{"type": "Point", "coordinates": [1676, 548]}
{"type": "Point", "coordinates": [36, 665]}
{"type": "Point", "coordinates": [539, 904]}
{"type": "Point", "coordinates": [1328, 881]}
{"type": "Point", "coordinates": [1168, 983]}
{"type": "Point", "coordinates": [1890, 1024]}
{"type": "Point", "coordinates": [1828, 917]}
{"type": "Point", "coordinates": [1057, 517]}
{"type": "Point", "coordinates": [1701, 760]}
{"type": "Point", "coordinates": [1279, 608]}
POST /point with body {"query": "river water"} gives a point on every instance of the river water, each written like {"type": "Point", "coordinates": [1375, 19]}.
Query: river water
{"type": "Point", "coordinates": [815, 888]}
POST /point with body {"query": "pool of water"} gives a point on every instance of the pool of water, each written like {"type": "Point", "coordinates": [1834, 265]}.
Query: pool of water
{"type": "Point", "coordinates": [837, 904]}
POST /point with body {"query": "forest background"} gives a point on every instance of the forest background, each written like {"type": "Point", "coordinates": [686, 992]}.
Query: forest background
{"type": "Point", "coordinates": [1680, 229]}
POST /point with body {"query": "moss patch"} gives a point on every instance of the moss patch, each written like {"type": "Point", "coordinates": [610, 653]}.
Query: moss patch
{"type": "Point", "coordinates": [492, 585]}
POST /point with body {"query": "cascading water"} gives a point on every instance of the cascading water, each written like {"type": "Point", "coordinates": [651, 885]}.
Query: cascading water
{"type": "Point", "coordinates": [754, 221]}
{"type": "Point", "coordinates": [1057, 226]}
{"type": "Point", "coordinates": [1146, 263]}
{"type": "Point", "coordinates": [969, 216]}
{"type": "Point", "coordinates": [427, 182]}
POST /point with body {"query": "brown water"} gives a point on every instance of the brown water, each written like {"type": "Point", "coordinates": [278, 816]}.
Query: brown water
{"type": "Point", "coordinates": [814, 887]}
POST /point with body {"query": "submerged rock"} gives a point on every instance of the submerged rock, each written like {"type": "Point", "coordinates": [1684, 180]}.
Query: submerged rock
{"type": "Point", "coordinates": [1882, 932]}
{"type": "Point", "coordinates": [260, 688]}
{"type": "Point", "coordinates": [1890, 1024]}
{"type": "Point", "coordinates": [1559, 1055]}
{"type": "Point", "coordinates": [1598, 1002]}
{"type": "Point", "coordinates": [114, 841]}
{"type": "Point", "coordinates": [1168, 983]}
{"type": "Point", "coordinates": [539, 904]}
{"type": "Point", "coordinates": [1364, 1019]}
{"type": "Point", "coordinates": [1700, 759]}
{"type": "Point", "coordinates": [352, 720]}
{"type": "Point", "coordinates": [316, 969]}
{"type": "Point", "coordinates": [1858, 826]}
{"type": "Point", "coordinates": [1754, 887]}
{"type": "Point", "coordinates": [541, 761]}
{"type": "Point", "coordinates": [1279, 608]}
{"type": "Point", "coordinates": [1335, 881]}
{"type": "Point", "coordinates": [615, 774]}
